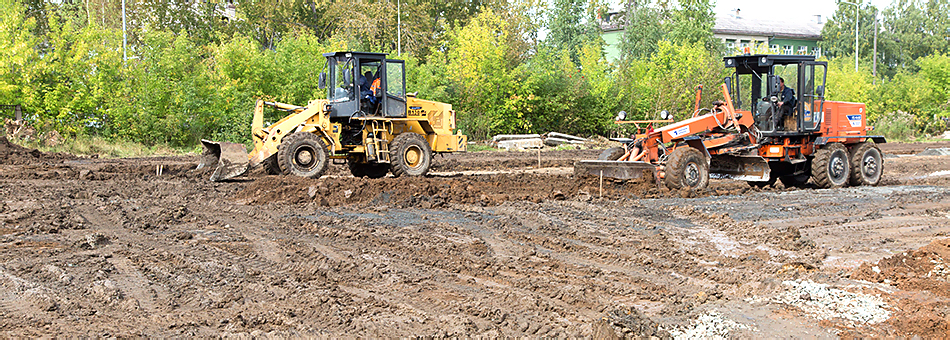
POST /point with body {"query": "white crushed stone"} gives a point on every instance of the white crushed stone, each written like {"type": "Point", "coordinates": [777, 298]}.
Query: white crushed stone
{"type": "Point", "coordinates": [709, 326]}
{"type": "Point", "coordinates": [825, 303]}
{"type": "Point", "coordinates": [939, 271]}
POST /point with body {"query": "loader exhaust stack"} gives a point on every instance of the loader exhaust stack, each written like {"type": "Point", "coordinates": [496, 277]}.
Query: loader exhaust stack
{"type": "Point", "coordinates": [228, 159]}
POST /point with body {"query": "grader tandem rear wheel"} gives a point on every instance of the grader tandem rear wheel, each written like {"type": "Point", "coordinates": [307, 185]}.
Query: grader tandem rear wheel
{"type": "Point", "coordinates": [867, 164]}
{"type": "Point", "coordinates": [831, 166]}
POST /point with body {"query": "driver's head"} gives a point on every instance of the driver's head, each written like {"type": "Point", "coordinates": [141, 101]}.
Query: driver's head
{"type": "Point", "coordinates": [368, 74]}
{"type": "Point", "coordinates": [781, 83]}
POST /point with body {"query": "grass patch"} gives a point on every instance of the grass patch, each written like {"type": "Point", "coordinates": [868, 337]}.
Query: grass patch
{"type": "Point", "coordinates": [480, 147]}
{"type": "Point", "coordinates": [89, 146]}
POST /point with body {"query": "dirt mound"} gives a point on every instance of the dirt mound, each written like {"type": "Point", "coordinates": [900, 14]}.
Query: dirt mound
{"type": "Point", "coordinates": [914, 271]}
{"type": "Point", "coordinates": [17, 155]}
{"type": "Point", "coordinates": [922, 269]}
{"type": "Point", "coordinates": [436, 191]}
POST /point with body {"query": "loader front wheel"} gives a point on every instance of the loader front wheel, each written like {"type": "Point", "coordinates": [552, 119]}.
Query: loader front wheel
{"type": "Point", "coordinates": [831, 167]}
{"type": "Point", "coordinates": [687, 168]}
{"type": "Point", "coordinates": [302, 154]}
{"type": "Point", "coordinates": [866, 164]}
{"type": "Point", "coordinates": [412, 155]}
{"type": "Point", "coordinates": [611, 154]}
{"type": "Point", "coordinates": [271, 167]}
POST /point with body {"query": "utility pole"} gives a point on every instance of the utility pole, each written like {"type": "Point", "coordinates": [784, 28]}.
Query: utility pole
{"type": "Point", "coordinates": [398, 29]}
{"type": "Point", "coordinates": [874, 68]}
{"type": "Point", "coordinates": [856, 16]}
{"type": "Point", "coordinates": [125, 39]}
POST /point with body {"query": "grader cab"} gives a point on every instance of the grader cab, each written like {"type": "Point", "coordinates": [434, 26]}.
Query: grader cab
{"type": "Point", "coordinates": [367, 121]}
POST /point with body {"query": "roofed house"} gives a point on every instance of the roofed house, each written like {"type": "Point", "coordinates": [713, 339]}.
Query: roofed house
{"type": "Point", "coordinates": [780, 36]}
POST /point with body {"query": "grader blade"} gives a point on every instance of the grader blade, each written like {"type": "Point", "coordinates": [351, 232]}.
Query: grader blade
{"type": "Point", "coordinates": [612, 169]}
{"type": "Point", "coordinates": [743, 168]}
{"type": "Point", "coordinates": [228, 159]}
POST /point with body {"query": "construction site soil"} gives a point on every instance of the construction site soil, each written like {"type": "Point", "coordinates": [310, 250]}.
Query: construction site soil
{"type": "Point", "coordinates": [489, 244]}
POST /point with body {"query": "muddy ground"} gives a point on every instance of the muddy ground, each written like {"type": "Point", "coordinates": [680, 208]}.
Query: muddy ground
{"type": "Point", "coordinates": [488, 245]}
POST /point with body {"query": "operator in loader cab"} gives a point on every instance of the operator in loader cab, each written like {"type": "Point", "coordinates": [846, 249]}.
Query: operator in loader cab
{"type": "Point", "coordinates": [786, 104]}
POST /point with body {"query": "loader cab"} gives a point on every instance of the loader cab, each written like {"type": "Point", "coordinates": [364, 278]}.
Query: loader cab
{"type": "Point", "coordinates": [349, 79]}
{"type": "Point", "coordinates": [755, 87]}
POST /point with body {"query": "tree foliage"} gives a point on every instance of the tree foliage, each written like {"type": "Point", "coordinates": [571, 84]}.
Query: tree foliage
{"type": "Point", "coordinates": [195, 73]}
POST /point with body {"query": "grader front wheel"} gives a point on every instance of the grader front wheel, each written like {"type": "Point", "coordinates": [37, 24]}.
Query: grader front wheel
{"type": "Point", "coordinates": [687, 168]}
{"type": "Point", "coordinates": [412, 155]}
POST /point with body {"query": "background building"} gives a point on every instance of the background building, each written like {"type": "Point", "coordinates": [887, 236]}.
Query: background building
{"type": "Point", "coordinates": [764, 35]}
{"type": "Point", "coordinates": [779, 36]}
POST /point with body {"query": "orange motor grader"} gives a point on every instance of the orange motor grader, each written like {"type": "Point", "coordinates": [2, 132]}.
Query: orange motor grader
{"type": "Point", "coordinates": [742, 138]}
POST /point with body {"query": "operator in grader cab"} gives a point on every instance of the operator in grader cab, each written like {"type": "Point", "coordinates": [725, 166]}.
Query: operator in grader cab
{"type": "Point", "coordinates": [786, 105]}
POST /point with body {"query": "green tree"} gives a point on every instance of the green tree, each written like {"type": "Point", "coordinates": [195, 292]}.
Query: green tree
{"type": "Point", "coordinates": [644, 28]}
{"type": "Point", "coordinates": [913, 29]}
{"type": "Point", "coordinates": [837, 36]}
{"type": "Point", "coordinates": [572, 26]}
{"type": "Point", "coordinates": [17, 52]}
{"type": "Point", "coordinates": [846, 84]}
{"type": "Point", "coordinates": [692, 23]}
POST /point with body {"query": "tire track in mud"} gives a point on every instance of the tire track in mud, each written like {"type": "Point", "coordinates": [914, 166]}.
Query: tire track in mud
{"type": "Point", "coordinates": [14, 298]}
{"type": "Point", "coordinates": [131, 281]}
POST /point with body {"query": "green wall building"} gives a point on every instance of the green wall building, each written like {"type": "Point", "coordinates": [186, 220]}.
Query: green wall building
{"type": "Point", "coordinates": [760, 35]}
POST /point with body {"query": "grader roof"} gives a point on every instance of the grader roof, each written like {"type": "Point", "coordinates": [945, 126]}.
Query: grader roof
{"type": "Point", "coordinates": [762, 62]}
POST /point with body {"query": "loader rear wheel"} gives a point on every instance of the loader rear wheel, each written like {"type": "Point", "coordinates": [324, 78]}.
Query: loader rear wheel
{"type": "Point", "coordinates": [687, 168]}
{"type": "Point", "coordinates": [611, 154]}
{"type": "Point", "coordinates": [412, 155]}
{"type": "Point", "coordinates": [302, 154]}
{"type": "Point", "coordinates": [271, 167]}
{"type": "Point", "coordinates": [867, 164]}
{"type": "Point", "coordinates": [831, 167]}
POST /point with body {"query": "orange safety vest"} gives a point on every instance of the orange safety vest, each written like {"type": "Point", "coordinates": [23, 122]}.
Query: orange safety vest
{"type": "Point", "coordinates": [375, 86]}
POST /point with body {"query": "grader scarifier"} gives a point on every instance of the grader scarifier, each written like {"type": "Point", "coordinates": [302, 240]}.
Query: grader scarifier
{"type": "Point", "coordinates": [368, 121]}
{"type": "Point", "coordinates": [826, 141]}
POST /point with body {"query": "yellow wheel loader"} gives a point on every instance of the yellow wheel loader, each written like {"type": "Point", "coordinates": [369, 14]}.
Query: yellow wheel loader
{"type": "Point", "coordinates": [367, 121]}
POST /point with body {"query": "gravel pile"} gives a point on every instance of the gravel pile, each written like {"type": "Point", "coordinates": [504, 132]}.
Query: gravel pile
{"type": "Point", "coordinates": [709, 325]}
{"type": "Point", "coordinates": [825, 303]}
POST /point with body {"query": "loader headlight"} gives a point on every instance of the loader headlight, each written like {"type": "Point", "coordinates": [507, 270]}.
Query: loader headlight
{"type": "Point", "coordinates": [664, 114]}
{"type": "Point", "coordinates": [326, 107]}
{"type": "Point", "coordinates": [621, 116]}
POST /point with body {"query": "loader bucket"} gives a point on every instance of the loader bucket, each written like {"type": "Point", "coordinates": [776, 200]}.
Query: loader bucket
{"type": "Point", "coordinates": [743, 168]}
{"type": "Point", "coordinates": [613, 169]}
{"type": "Point", "coordinates": [228, 159]}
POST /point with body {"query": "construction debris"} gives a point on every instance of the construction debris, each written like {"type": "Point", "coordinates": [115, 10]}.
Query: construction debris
{"type": "Point", "coordinates": [520, 144]}
{"type": "Point", "coordinates": [566, 136]}
{"type": "Point", "coordinates": [535, 141]}
{"type": "Point", "coordinates": [935, 152]}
